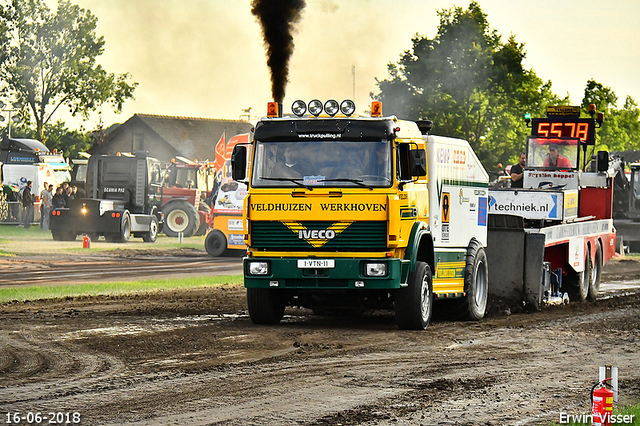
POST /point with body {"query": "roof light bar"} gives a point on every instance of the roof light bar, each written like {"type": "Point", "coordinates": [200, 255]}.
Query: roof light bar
{"type": "Point", "coordinates": [331, 108]}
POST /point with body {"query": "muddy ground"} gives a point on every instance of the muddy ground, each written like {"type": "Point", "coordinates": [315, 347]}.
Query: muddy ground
{"type": "Point", "coordinates": [193, 357]}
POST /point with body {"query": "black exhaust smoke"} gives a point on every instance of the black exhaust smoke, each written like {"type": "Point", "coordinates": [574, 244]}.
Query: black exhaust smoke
{"type": "Point", "coordinates": [277, 18]}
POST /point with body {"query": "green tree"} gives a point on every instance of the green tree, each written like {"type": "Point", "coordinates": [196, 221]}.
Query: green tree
{"type": "Point", "coordinates": [58, 137]}
{"type": "Point", "coordinates": [620, 130]}
{"type": "Point", "coordinates": [48, 61]}
{"type": "Point", "coordinates": [471, 84]}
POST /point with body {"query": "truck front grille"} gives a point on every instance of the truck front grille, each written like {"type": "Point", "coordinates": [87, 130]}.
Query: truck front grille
{"type": "Point", "coordinates": [346, 236]}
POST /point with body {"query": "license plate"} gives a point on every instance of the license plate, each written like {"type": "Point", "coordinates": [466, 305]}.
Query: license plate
{"type": "Point", "coordinates": [316, 263]}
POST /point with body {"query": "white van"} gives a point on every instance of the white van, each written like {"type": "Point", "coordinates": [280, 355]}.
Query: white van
{"type": "Point", "coordinates": [18, 174]}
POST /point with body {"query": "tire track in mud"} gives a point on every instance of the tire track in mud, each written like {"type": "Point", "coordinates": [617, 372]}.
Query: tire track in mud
{"type": "Point", "coordinates": [47, 369]}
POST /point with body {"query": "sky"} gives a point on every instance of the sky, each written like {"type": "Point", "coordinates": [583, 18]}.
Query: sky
{"type": "Point", "coordinates": [205, 58]}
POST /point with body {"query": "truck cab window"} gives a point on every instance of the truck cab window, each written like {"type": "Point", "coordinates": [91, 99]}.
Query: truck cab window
{"type": "Point", "coordinates": [322, 163]}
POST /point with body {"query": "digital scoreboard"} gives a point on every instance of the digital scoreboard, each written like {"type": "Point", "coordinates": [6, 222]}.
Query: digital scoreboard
{"type": "Point", "coordinates": [564, 122]}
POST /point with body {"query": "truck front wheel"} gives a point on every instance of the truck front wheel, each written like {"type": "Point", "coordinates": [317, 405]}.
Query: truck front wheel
{"type": "Point", "coordinates": [152, 235]}
{"type": "Point", "coordinates": [215, 243]}
{"type": "Point", "coordinates": [266, 306]}
{"type": "Point", "coordinates": [414, 303]}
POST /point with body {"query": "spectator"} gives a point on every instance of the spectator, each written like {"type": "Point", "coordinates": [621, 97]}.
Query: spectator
{"type": "Point", "coordinates": [517, 172]}
{"type": "Point", "coordinates": [46, 186]}
{"type": "Point", "coordinates": [58, 199]}
{"type": "Point", "coordinates": [70, 195]}
{"type": "Point", "coordinates": [27, 205]}
{"type": "Point", "coordinates": [47, 203]}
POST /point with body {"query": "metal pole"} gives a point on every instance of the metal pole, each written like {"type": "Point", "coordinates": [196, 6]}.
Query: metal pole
{"type": "Point", "coordinates": [353, 73]}
{"type": "Point", "coordinates": [9, 131]}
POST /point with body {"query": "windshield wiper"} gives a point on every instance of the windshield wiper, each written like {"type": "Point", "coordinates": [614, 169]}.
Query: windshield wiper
{"type": "Point", "coordinates": [356, 181]}
{"type": "Point", "coordinates": [297, 181]}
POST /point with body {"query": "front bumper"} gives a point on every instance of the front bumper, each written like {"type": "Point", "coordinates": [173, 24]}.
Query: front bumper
{"type": "Point", "coordinates": [347, 273]}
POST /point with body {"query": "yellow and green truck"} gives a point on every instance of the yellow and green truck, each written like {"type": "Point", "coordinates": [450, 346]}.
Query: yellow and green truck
{"type": "Point", "coordinates": [349, 212]}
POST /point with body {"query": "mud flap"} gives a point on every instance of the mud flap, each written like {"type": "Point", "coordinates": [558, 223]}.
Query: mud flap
{"type": "Point", "coordinates": [533, 269]}
{"type": "Point", "coordinates": [515, 260]}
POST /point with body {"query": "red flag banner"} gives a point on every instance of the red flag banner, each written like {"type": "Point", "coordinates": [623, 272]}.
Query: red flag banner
{"type": "Point", "coordinates": [220, 151]}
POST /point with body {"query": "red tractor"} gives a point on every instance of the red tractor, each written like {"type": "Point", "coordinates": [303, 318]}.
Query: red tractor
{"type": "Point", "coordinates": [186, 197]}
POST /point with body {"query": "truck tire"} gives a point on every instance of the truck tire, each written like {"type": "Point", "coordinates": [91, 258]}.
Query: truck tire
{"type": "Point", "coordinates": [266, 306]}
{"type": "Point", "coordinates": [596, 272]}
{"type": "Point", "coordinates": [152, 235]}
{"type": "Point", "coordinates": [125, 228]}
{"type": "Point", "coordinates": [414, 303]}
{"type": "Point", "coordinates": [476, 283]}
{"type": "Point", "coordinates": [215, 243]}
{"type": "Point", "coordinates": [180, 216]}
{"type": "Point", "coordinates": [579, 283]}
{"type": "Point", "coordinates": [473, 305]}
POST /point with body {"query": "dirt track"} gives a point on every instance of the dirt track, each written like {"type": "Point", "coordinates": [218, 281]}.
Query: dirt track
{"type": "Point", "coordinates": [194, 357]}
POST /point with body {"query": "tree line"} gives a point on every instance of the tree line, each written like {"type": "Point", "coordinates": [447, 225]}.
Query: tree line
{"type": "Point", "coordinates": [48, 61]}
{"type": "Point", "coordinates": [474, 86]}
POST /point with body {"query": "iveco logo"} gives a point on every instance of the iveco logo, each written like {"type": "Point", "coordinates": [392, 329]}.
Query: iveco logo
{"type": "Point", "coordinates": [316, 234]}
{"type": "Point", "coordinates": [317, 237]}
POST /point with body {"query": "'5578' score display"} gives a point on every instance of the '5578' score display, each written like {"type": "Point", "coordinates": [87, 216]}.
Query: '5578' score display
{"type": "Point", "coordinates": [565, 127]}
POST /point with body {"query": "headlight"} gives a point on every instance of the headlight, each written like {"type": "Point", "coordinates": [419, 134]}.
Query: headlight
{"type": "Point", "coordinates": [347, 107]}
{"type": "Point", "coordinates": [331, 107]}
{"type": "Point", "coordinates": [315, 107]}
{"type": "Point", "coordinates": [258, 268]}
{"type": "Point", "coordinates": [375, 269]}
{"type": "Point", "coordinates": [299, 108]}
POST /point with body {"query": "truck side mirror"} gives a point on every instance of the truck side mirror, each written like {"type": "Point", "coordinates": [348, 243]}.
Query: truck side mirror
{"type": "Point", "coordinates": [239, 162]}
{"type": "Point", "coordinates": [418, 162]}
{"type": "Point", "coordinates": [603, 161]}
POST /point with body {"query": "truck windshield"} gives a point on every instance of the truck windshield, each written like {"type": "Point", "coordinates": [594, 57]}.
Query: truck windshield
{"type": "Point", "coordinates": [62, 175]}
{"type": "Point", "coordinates": [550, 154]}
{"type": "Point", "coordinates": [182, 177]}
{"type": "Point", "coordinates": [322, 163]}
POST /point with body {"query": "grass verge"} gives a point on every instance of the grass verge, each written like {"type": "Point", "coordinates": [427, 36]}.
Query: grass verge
{"type": "Point", "coordinates": [146, 286]}
{"type": "Point", "coordinates": [16, 241]}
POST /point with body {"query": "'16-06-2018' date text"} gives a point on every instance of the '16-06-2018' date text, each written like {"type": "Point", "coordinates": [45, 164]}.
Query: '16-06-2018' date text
{"type": "Point", "coordinates": [37, 418]}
